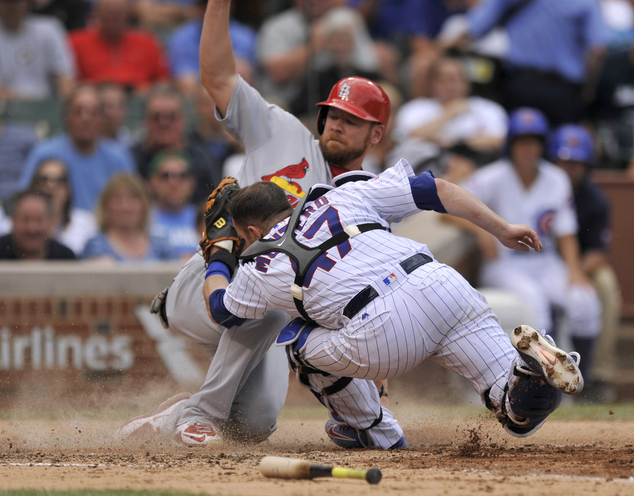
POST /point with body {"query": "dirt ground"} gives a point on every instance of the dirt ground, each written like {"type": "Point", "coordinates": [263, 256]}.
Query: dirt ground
{"type": "Point", "coordinates": [447, 456]}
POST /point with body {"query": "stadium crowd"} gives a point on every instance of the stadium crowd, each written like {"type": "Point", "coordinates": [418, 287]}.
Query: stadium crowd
{"type": "Point", "coordinates": [114, 188]}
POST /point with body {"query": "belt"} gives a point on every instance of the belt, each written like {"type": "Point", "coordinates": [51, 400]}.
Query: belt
{"type": "Point", "coordinates": [367, 294]}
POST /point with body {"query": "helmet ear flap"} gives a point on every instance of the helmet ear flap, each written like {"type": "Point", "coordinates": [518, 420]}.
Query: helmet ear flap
{"type": "Point", "coordinates": [321, 118]}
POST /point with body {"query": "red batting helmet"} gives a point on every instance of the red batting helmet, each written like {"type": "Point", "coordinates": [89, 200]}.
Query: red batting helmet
{"type": "Point", "coordinates": [357, 96]}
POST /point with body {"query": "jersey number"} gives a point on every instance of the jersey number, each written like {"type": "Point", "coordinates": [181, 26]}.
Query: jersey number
{"type": "Point", "coordinates": [331, 217]}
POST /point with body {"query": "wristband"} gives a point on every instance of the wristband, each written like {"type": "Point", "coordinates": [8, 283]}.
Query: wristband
{"type": "Point", "coordinates": [222, 262]}
{"type": "Point", "coordinates": [218, 269]}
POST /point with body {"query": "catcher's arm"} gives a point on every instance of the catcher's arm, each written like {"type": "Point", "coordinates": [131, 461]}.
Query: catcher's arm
{"type": "Point", "coordinates": [462, 204]}
{"type": "Point", "coordinates": [222, 265]}
{"type": "Point", "coordinates": [212, 284]}
{"type": "Point", "coordinates": [221, 246]}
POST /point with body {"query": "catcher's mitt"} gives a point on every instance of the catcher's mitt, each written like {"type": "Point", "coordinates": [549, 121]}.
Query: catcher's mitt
{"type": "Point", "coordinates": [218, 226]}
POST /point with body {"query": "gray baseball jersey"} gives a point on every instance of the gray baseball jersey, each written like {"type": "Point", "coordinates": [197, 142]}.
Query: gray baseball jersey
{"type": "Point", "coordinates": [278, 147]}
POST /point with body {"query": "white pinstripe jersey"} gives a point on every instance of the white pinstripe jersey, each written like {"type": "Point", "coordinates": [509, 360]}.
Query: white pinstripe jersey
{"type": "Point", "coordinates": [344, 270]}
{"type": "Point", "coordinates": [546, 206]}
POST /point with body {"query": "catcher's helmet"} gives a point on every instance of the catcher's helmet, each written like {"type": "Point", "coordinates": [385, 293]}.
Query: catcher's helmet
{"type": "Point", "coordinates": [571, 143]}
{"type": "Point", "coordinates": [527, 121]}
{"type": "Point", "coordinates": [357, 96]}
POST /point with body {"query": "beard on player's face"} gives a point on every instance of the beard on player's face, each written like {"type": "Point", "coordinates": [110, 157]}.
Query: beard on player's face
{"type": "Point", "coordinates": [339, 153]}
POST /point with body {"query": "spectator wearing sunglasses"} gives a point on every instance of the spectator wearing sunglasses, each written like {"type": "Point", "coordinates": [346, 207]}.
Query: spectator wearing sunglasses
{"type": "Point", "coordinates": [165, 126]}
{"type": "Point", "coordinates": [172, 215]}
{"type": "Point", "coordinates": [70, 226]}
{"type": "Point", "coordinates": [91, 160]}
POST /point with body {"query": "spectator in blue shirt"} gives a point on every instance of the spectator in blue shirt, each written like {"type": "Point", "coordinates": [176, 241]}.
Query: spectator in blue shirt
{"type": "Point", "coordinates": [172, 216]}
{"type": "Point", "coordinates": [122, 215]}
{"type": "Point", "coordinates": [554, 49]}
{"type": "Point", "coordinates": [91, 160]}
{"type": "Point", "coordinates": [184, 44]}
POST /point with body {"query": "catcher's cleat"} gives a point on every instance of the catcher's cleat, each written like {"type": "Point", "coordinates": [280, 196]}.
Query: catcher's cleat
{"type": "Point", "coordinates": [158, 422]}
{"type": "Point", "coordinates": [194, 433]}
{"type": "Point", "coordinates": [541, 355]}
{"type": "Point", "coordinates": [350, 438]}
{"type": "Point", "coordinates": [538, 377]}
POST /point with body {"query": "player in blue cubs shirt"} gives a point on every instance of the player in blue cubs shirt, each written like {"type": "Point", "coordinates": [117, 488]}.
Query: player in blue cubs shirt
{"type": "Point", "coordinates": [370, 305]}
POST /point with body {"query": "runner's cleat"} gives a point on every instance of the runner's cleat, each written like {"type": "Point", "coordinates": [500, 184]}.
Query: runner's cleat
{"type": "Point", "coordinates": [194, 433]}
{"type": "Point", "coordinates": [155, 423]}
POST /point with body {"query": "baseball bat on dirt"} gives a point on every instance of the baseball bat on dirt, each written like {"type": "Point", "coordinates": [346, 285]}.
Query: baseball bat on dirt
{"type": "Point", "coordinates": [293, 468]}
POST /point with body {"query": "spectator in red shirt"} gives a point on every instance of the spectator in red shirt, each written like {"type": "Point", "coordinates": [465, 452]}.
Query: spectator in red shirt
{"type": "Point", "coordinates": [111, 51]}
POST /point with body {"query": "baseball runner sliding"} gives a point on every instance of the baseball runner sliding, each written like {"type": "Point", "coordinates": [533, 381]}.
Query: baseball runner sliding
{"type": "Point", "coordinates": [246, 384]}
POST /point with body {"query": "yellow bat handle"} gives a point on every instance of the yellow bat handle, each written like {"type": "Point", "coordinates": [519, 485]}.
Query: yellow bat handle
{"type": "Point", "coordinates": [372, 475]}
{"type": "Point", "coordinates": [348, 473]}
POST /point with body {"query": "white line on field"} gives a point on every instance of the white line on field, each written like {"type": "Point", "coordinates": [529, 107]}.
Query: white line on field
{"type": "Point", "coordinates": [557, 476]}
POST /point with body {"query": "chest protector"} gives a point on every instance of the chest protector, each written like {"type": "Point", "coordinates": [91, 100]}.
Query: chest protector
{"type": "Point", "coordinates": [302, 255]}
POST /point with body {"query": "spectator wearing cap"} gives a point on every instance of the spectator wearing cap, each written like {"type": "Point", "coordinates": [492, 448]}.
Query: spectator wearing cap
{"type": "Point", "coordinates": [35, 60]}
{"type": "Point", "coordinates": [553, 54]}
{"type": "Point", "coordinates": [172, 215]}
{"type": "Point", "coordinates": [30, 237]}
{"type": "Point", "coordinates": [572, 149]}
{"type": "Point", "coordinates": [90, 160]}
{"type": "Point", "coordinates": [183, 50]}
{"type": "Point", "coordinates": [461, 131]}
{"type": "Point", "coordinates": [165, 126]}
{"type": "Point", "coordinates": [112, 51]}
{"type": "Point", "coordinates": [526, 188]}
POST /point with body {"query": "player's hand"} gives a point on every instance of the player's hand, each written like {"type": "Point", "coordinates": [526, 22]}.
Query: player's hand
{"type": "Point", "coordinates": [520, 237]}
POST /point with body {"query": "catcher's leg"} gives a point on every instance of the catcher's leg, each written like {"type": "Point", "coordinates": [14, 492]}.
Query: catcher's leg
{"type": "Point", "coordinates": [518, 387]}
{"type": "Point", "coordinates": [357, 418]}
{"type": "Point", "coordinates": [535, 382]}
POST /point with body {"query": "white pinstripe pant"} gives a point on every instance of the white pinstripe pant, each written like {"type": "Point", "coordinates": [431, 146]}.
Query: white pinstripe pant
{"type": "Point", "coordinates": [431, 313]}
